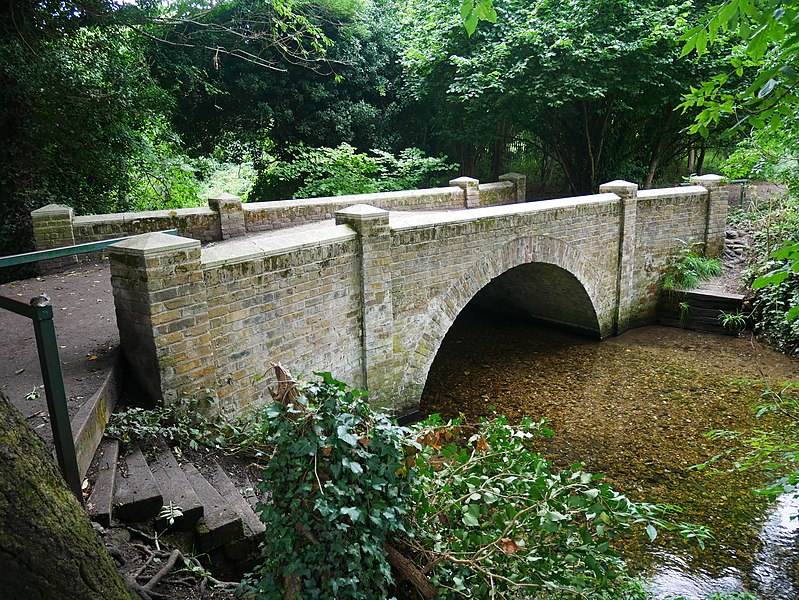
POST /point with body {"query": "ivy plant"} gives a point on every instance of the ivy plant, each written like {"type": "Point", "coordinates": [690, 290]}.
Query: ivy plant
{"type": "Point", "coordinates": [338, 489]}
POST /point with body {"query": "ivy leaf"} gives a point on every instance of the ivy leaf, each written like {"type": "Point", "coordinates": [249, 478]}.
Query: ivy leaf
{"type": "Point", "coordinates": [352, 512]}
{"type": "Point", "coordinates": [345, 436]}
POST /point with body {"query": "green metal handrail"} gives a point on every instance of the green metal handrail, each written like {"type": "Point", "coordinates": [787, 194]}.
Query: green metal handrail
{"type": "Point", "coordinates": [41, 313]}
{"type": "Point", "coordinates": [743, 182]}
{"type": "Point", "coordinates": [28, 257]}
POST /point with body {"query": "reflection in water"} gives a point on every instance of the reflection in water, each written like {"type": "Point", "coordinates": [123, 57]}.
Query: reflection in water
{"type": "Point", "coordinates": [770, 578]}
{"type": "Point", "coordinates": [636, 408]}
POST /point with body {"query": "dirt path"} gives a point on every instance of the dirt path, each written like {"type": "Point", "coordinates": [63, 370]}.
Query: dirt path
{"type": "Point", "coordinates": [86, 331]}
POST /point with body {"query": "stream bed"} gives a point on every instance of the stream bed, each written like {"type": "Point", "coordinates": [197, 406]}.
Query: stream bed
{"type": "Point", "coordinates": [636, 408]}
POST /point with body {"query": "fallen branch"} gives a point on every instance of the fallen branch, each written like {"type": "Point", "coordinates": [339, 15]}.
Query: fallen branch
{"type": "Point", "coordinates": [410, 572]}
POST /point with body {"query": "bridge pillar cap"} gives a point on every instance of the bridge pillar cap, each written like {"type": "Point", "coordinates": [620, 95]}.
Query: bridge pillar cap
{"type": "Point", "coordinates": [361, 212]}
{"type": "Point", "coordinates": [464, 181]}
{"type": "Point", "coordinates": [618, 183]}
{"type": "Point", "coordinates": [223, 197]}
{"type": "Point", "coordinates": [710, 178]}
{"type": "Point", "coordinates": [53, 209]}
{"type": "Point", "coordinates": [149, 244]}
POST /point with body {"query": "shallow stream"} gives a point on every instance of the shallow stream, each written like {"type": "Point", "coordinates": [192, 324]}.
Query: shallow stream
{"type": "Point", "coordinates": [636, 408]}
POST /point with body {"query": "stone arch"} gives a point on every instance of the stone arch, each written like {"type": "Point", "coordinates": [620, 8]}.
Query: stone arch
{"type": "Point", "coordinates": [443, 310]}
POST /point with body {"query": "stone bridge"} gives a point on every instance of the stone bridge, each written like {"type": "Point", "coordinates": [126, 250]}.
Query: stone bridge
{"type": "Point", "coordinates": [370, 294]}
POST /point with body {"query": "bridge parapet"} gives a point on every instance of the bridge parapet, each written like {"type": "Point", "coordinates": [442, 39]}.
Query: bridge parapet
{"type": "Point", "coordinates": [226, 216]}
{"type": "Point", "coordinates": [371, 297]}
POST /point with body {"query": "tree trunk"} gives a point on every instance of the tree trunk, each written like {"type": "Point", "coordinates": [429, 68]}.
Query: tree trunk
{"type": "Point", "coordinates": [48, 548]}
{"type": "Point", "coordinates": [653, 166]}
{"type": "Point", "coordinates": [700, 162]}
{"type": "Point", "coordinates": [500, 143]}
{"type": "Point", "coordinates": [691, 160]}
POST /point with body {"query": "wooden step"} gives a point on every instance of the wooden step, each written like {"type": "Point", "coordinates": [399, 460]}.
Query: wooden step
{"type": "Point", "coordinates": [175, 488]}
{"type": "Point", "coordinates": [246, 547]}
{"type": "Point", "coordinates": [137, 496]}
{"type": "Point", "coordinates": [219, 524]}
{"type": "Point", "coordinates": [100, 503]}
{"type": "Point", "coordinates": [223, 484]}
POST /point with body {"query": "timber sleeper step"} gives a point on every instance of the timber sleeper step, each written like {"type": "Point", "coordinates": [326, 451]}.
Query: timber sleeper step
{"type": "Point", "coordinates": [137, 496]}
{"type": "Point", "coordinates": [101, 500]}
{"type": "Point", "coordinates": [175, 488]}
{"type": "Point", "coordinates": [220, 523]}
{"type": "Point", "coordinates": [254, 529]}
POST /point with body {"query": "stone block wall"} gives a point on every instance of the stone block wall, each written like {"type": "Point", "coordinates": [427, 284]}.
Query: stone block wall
{"type": "Point", "coordinates": [52, 228]}
{"type": "Point", "coordinates": [162, 315]}
{"type": "Point", "coordinates": [295, 300]}
{"type": "Point", "coordinates": [667, 219]}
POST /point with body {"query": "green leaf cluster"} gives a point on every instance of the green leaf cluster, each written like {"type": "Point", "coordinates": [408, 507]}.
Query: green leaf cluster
{"type": "Point", "coordinates": [338, 490]}
{"type": "Point", "coordinates": [188, 422]}
{"type": "Point", "coordinates": [760, 84]}
{"type": "Point", "coordinates": [687, 268]}
{"type": "Point", "coordinates": [494, 519]}
{"type": "Point", "coordinates": [311, 172]}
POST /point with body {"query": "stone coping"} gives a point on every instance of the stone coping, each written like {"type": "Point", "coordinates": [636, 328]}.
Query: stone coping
{"type": "Point", "coordinates": [402, 221]}
{"type": "Point", "coordinates": [128, 217]}
{"type": "Point", "coordinates": [379, 198]}
{"type": "Point", "coordinates": [272, 243]}
{"type": "Point", "coordinates": [688, 190]}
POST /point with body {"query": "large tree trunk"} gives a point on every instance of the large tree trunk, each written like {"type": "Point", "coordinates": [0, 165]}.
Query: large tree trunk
{"type": "Point", "coordinates": [48, 548]}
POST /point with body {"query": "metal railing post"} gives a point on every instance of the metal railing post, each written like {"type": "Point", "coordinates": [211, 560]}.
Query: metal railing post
{"type": "Point", "coordinates": [56, 395]}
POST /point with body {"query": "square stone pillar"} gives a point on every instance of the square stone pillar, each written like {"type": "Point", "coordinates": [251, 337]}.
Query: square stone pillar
{"type": "Point", "coordinates": [162, 315]}
{"type": "Point", "coordinates": [374, 234]}
{"type": "Point", "coordinates": [718, 196]}
{"type": "Point", "coordinates": [471, 190]}
{"type": "Point", "coordinates": [231, 215]}
{"type": "Point", "coordinates": [53, 228]}
{"type": "Point", "coordinates": [519, 182]}
{"type": "Point", "coordinates": [625, 290]}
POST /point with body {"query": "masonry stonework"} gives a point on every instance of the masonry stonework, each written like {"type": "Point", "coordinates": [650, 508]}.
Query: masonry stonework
{"type": "Point", "coordinates": [371, 297]}
{"type": "Point", "coordinates": [162, 315]}
{"type": "Point", "coordinates": [52, 228]}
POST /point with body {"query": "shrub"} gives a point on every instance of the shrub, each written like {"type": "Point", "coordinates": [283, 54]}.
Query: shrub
{"type": "Point", "coordinates": [313, 172]}
{"type": "Point", "coordinates": [491, 517]}
{"type": "Point", "coordinates": [352, 495]}
{"type": "Point", "coordinates": [337, 492]}
{"type": "Point", "coordinates": [687, 269]}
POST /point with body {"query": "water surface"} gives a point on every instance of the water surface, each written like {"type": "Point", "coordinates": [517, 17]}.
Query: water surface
{"type": "Point", "coordinates": [637, 408]}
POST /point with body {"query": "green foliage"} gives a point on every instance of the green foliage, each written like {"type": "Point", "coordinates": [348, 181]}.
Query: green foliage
{"type": "Point", "coordinates": [734, 321]}
{"type": "Point", "coordinates": [183, 423]}
{"type": "Point", "coordinates": [312, 172]}
{"type": "Point", "coordinates": [492, 519]}
{"type": "Point", "coordinates": [338, 491]}
{"type": "Point", "coordinates": [687, 269]}
{"type": "Point", "coordinates": [594, 82]}
{"type": "Point", "coordinates": [759, 85]}
{"type": "Point", "coordinates": [775, 274]}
